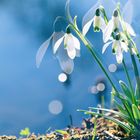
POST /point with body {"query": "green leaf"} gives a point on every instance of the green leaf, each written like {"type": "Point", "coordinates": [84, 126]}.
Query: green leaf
{"type": "Point", "coordinates": [120, 108]}
{"type": "Point", "coordinates": [124, 126]}
{"type": "Point", "coordinates": [119, 95]}
{"type": "Point", "coordinates": [127, 92]}
{"type": "Point", "coordinates": [62, 132]}
{"type": "Point", "coordinates": [126, 103]}
{"type": "Point", "coordinates": [124, 111]}
{"type": "Point", "coordinates": [136, 112]}
{"type": "Point", "coordinates": [111, 111]}
{"type": "Point", "coordinates": [128, 109]}
{"type": "Point", "coordinates": [137, 92]}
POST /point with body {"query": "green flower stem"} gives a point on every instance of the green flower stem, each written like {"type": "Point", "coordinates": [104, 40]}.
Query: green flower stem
{"type": "Point", "coordinates": [87, 44]}
{"type": "Point", "coordinates": [102, 102]}
{"type": "Point", "coordinates": [130, 83]}
{"type": "Point", "coordinates": [135, 67]}
{"type": "Point", "coordinates": [131, 42]}
{"type": "Point", "coordinates": [136, 74]}
{"type": "Point", "coordinates": [104, 14]}
{"type": "Point", "coordinates": [94, 129]}
{"type": "Point", "coordinates": [128, 77]}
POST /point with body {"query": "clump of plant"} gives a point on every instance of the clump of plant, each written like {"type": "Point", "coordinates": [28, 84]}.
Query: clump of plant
{"type": "Point", "coordinates": [25, 132]}
{"type": "Point", "coordinates": [118, 33]}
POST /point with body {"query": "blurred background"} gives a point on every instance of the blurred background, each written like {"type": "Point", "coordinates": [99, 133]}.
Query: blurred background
{"type": "Point", "coordinates": [47, 97]}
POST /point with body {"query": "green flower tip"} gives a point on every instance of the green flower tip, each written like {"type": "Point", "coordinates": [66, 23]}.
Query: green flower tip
{"type": "Point", "coordinates": [96, 29]}
{"type": "Point", "coordinates": [113, 51]}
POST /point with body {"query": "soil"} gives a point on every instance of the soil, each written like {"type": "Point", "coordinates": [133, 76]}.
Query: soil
{"type": "Point", "coordinates": [105, 130]}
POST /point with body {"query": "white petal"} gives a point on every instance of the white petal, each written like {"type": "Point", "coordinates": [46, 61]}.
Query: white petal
{"type": "Point", "coordinates": [119, 55]}
{"type": "Point", "coordinates": [65, 62]}
{"type": "Point", "coordinates": [88, 18]}
{"type": "Point", "coordinates": [103, 25]}
{"type": "Point", "coordinates": [116, 22]}
{"type": "Point", "coordinates": [69, 44]}
{"type": "Point", "coordinates": [128, 11]}
{"type": "Point", "coordinates": [57, 44]}
{"type": "Point", "coordinates": [115, 45]}
{"type": "Point", "coordinates": [71, 52]}
{"type": "Point", "coordinates": [76, 42]}
{"type": "Point", "coordinates": [106, 46]}
{"type": "Point", "coordinates": [108, 31]}
{"type": "Point", "coordinates": [41, 51]}
{"type": "Point", "coordinates": [124, 46]}
{"type": "Point", "coordinates": [130, 29]}
{"type": "Point", "coordinates": [86, 27]}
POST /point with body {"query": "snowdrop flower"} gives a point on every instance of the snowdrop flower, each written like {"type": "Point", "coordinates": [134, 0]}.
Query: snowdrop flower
{"type": "Point", "coordinates": [112, 25]}
{"type": "Point", "coordinates": [93, 16]}
{"type": "Point", "coordinates": [65, 61]}
{"type": "Point", "coordinates": [98, 23]}
{"type": "Point", "coordinates": [71, 44]}
{"type": "Point", "coordinates": [118, 46]}
{"type": "Point", "coordinates": [115, 22]}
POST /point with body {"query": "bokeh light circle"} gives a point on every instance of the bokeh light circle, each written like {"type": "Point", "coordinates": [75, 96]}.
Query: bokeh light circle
{"type": "Point", "coordinates": [112, 68]}
{"type": "Point", "coordinates": [100, 86]}
{"type": "Point", "coordinates": [62, 77]}
{"type": "Point", "coordinates": [55, 107]}
{"type": "Point", "coordinates": [93, 90]}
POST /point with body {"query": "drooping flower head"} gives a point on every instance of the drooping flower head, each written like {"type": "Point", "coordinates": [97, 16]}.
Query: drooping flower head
{"type": "Point", "coordinates": [95, 16]}
{"type": "Point", "coordinates": [118, 47]}
{"type": "Point", "coordinates": [119, 25]}
{"type": "Point", "coordinates": [71, 44]}
{"type": "Point", "coordinates": [64, 52]}
{"type": "Point", "coordinates": [116, 22]}
{"type": "Point", "coordinates": [97, 21]}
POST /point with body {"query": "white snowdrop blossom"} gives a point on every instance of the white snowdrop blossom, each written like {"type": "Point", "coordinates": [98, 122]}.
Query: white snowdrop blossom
{"type": "Point", "coordinates": [71, 44]}
{"type": "Point", "coordinates": [118, 46]}
{"type": "Point", "coordinates": [114, 24]}
{"type": "Point", "coordinates": [94, 16]}
{"type": "Point", "coordinates": [111, 26]}
{"type": "Point", "coordinates": [65, 61]}
{"type": "Point", "coordinates": [97, 21]}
